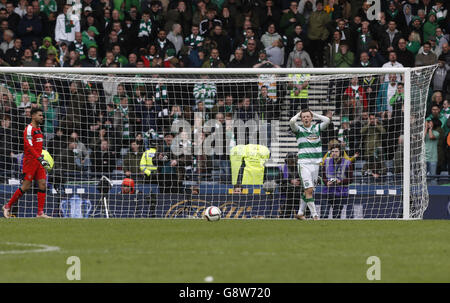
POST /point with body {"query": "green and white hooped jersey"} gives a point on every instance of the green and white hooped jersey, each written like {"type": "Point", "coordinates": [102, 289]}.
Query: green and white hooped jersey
{"type": "Point", "coordinates": [309, 144]}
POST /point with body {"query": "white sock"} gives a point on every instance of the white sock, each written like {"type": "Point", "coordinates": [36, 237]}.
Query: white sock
{"type": "Point", "coordinates": [301, 211]}
{"type": "Point", "coordinates": [312, 209]}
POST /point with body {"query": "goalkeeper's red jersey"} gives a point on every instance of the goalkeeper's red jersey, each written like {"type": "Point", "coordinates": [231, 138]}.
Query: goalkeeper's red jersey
{"type": "Point", "coordinates": [33, 140]}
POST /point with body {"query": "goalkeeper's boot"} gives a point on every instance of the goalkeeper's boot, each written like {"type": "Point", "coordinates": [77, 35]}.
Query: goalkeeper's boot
{"type": "Point", "coordinates": [42, 215]}
{"type": "Point", "coordinates": [316, 218]}
{"type": "Point", "coordinates": [6, 212]}
{"type": "Point", "coordinates": [300, 217]}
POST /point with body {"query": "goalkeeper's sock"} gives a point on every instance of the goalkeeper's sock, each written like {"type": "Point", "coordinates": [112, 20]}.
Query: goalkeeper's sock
{"type": "Point", "coordinates": [19, 193]}
{"type": "Point", "coordinates": [301, 211]}
{"type": "Point", "coordinates": [311, 206]}
{"type": "Point", "coordinates": [41, 201]}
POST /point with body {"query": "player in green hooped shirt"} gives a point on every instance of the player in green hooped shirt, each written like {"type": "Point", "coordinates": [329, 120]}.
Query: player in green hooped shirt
{"type": "Point", "coordinates": [309, 156]}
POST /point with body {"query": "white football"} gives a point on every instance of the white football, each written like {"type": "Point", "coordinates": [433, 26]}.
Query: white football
{"type": "Point", "coordinates": [213, 213]}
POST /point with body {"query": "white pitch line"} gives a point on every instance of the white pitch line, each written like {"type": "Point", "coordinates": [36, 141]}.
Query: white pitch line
{"type": "Point", "coordinates": [40, 248]}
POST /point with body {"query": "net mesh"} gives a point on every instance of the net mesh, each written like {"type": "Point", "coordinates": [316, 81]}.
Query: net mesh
{"type": "Point", "coordinates": [153, 145]}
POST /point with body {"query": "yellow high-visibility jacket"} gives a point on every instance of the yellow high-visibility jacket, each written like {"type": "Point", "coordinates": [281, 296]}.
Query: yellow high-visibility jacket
{"type": "Point", "coordinates": [146, 164]}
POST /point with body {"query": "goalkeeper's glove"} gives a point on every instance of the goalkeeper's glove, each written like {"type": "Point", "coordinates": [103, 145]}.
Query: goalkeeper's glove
{"type": "Point", "coordinates": [44, 163]}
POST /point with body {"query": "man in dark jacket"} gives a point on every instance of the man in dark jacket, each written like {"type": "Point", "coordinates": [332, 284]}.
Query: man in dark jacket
{"type": "Point", "coordinates": [404, 56]}
{"type": "Point", "coordinates": [238, 60]}
{"type": "Point", "coordinates": [14, 55]}
{"type": "Point", "coordinates": [30, 27]}
{"type": "Point", "coordinates": [223, 42]}
{"type": "Point", "coordinates": [251, 55]}
{"type": "Point", "coordinates": [162, 43]}
{"type": "Point", "coordinates": [390, 38]}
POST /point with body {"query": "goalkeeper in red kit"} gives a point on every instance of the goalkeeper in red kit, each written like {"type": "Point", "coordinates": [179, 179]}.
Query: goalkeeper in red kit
{"type": "Point", "coordinates": [34, 165]}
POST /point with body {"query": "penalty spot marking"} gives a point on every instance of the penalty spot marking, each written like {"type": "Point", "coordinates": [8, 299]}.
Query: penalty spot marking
{"type": "Point", "coordinates": [38, 248]}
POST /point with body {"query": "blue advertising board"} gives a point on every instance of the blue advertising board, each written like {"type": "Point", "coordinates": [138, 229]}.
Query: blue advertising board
{"type": "Point", "coordinates": [81, 202]}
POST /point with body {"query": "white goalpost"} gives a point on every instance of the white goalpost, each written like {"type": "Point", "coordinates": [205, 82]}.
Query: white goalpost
{"type": "Point", "coordinates": [171, 142]}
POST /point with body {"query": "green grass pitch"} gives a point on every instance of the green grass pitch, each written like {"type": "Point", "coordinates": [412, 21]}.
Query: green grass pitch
{"type": "Point", "coordinates": [150, 250]}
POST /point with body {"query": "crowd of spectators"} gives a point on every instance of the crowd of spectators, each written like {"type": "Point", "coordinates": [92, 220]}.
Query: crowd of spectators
{"type": "Point", "coordinates": [89, 125]}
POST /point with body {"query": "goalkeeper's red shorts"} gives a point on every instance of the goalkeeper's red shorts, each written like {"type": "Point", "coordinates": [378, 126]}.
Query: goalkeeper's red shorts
{"type": "Point", "coordinates": [33, 170]}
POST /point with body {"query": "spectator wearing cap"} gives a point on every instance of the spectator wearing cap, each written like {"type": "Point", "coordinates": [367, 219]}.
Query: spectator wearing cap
{"type": "Point", "coordinates": [45, 47]}
{"type": "Point", "coordinates": [30, 27]}
{"type": "Point", "coordinates": [441, 76]}
{"type": "Point", "coordinates": [318, 33]}
{"type": "Point", "coordinates": [430, 26]}
{"type": "Point", "coordinates": [127, 186]}
{"type": "Point", "coordinates": [53, 56]}
{"type": "Point", "coordinates": [404, 56]}
{"type": "Point", "coordinates": [170, 58]}
{"type": "Point", "coordinates": [66, 26]}
{"type": "Point", "coordinates": [415, 26]}
{"type": "Point", "coordinates": [434, 46]}
{"type": "Point", "coordinates": [299, 52]}
{"type": "Point", "coordinates": [291, 18]}
{"type": "Point", "coordinates": [88, 36]}
{"type": "Point", "coordinates": [426, 57]}
{"type": "Point", "coordinates": [345, 57]}
{"type": "Point", "coordinates": [396, 15]}
{"type": "Point", "coordinates": [87, 10]}
{"type": "Point", "coordinates": [79, 46]}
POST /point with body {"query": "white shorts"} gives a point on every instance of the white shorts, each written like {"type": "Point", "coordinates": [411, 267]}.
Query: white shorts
{"type": "Point", "coordinates": [309, 173]}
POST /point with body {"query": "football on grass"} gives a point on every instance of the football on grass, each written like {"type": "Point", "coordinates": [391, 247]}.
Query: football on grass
{"type": "Point", "coordinates": [213, 213]}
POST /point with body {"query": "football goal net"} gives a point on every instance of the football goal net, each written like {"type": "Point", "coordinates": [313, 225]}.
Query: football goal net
{"type": "Point", "coordinates": [168, 143]}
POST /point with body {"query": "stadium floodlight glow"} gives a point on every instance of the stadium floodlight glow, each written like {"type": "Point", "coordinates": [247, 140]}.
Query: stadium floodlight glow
{"type": "Point", "coordinates": [389, 179]}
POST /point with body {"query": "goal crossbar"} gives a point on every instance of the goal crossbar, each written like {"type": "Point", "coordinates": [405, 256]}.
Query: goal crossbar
{"type": "Point", "coordinates": [200, 71]}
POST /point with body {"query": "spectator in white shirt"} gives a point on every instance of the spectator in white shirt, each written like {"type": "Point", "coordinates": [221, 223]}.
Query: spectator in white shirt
{"type": "Point", "coordinates": [66, 26]}
{"type": "Point", "coordinates": [392, 63]}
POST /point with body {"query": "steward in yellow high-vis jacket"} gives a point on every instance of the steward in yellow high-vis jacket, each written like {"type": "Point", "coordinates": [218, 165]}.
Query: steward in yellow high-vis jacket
{"type": "Point", "coordinates": [147, 164]}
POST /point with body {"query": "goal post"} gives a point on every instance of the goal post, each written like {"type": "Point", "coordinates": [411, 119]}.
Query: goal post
{"type": "Point", "coordinates": [218, 137]}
